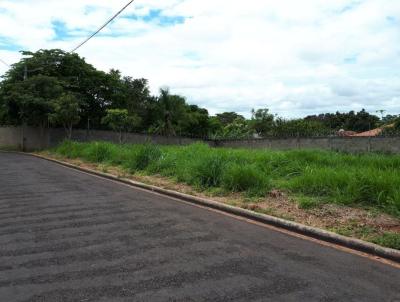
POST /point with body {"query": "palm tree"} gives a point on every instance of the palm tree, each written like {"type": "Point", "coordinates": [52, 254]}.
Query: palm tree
{"type": "Point", "coordinates": [166, 103]}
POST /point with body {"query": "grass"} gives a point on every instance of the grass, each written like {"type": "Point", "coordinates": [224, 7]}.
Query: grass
{"type": "Point", "coordinates": [386, 239]}
{"type": "Point", "coordinates": [366, 180]}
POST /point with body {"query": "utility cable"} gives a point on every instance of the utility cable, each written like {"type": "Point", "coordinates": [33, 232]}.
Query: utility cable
{"type": "Point", "coordinates": [2, 61]}
{"type": "Point", "coordinates": [102, 27]}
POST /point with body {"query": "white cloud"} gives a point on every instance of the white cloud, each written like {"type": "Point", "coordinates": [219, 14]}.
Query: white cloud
{"type": "Point", "coordinates": [295, 57]}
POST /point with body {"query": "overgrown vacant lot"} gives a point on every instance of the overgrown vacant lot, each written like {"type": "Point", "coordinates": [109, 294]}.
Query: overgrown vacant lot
{"type": "Point", "coordinates": [312, 179]}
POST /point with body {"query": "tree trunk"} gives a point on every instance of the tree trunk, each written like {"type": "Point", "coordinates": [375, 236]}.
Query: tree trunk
{"type": "Point", "coordinates": [70, 132]}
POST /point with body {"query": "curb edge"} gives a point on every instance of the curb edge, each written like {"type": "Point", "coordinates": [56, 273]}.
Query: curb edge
{"type": "Point", "coordinates": [320, 234]}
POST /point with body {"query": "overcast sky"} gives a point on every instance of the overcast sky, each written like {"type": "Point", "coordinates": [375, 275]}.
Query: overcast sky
{"type": "Point", "coordinates": [294, 57]}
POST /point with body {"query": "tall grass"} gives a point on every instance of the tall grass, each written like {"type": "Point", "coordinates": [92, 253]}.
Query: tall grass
{"type": "Point", "coordinates": [364, 179]}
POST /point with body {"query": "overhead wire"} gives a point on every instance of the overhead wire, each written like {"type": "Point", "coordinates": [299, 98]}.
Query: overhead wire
{"type": "Point", "coordinates": [102, 27]}
{"type": "Point", "coordinates": [4, 62]}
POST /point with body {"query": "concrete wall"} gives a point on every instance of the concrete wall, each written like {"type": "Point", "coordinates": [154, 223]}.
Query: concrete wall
{"type": "Point", "coordinates": [36, 139]}
{"type": "Point", "coordinates": [344, 144]}
{"type": "Point", "coordinates": [10, 137]}
{"type": "Point", "coordinates": [58, 135]}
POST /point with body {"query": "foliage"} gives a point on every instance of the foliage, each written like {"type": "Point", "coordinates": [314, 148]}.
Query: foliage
{"type": "Point", "coordinates": [238, 129]}
{"type": "Point", "coordinates": [359, 122]}
{"type": "Point", "coordinates": [52, 73]}
{"type": "Point", "coordinates": [388, 239]}
{"type": "Point", "coordinates": [30, 101]}
{"type": "Point", "coordinates": [66, 111]}
{"type": "Point", "coordinates": [262, 121]}
{"type": "Point", "coordinates": [367, 180]}
{"type": "Point", "coordinates": [227, 118]}
{"type": "Point", "coordinates": [29, 90]}
{"type": "Point", "coordinates": [120, 121]}
{"type": "Point", "coordinates": [299, 127]}
{"type": "Point", "coordinates": [397, 124]}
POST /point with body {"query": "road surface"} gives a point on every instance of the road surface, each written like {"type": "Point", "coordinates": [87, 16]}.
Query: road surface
{"type": "Point", "coordinates": [69, 236]}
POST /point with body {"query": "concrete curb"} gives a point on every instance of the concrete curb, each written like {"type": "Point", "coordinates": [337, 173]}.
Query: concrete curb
{"type": "Point", "coordinates": [320, 234]}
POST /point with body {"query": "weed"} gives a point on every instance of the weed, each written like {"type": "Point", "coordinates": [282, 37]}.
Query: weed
{"type": "Point", "coordinates": [367, 180]}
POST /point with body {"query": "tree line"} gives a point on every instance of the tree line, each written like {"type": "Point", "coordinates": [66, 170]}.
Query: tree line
{"type": "Point", "coordinates": [59, 89]}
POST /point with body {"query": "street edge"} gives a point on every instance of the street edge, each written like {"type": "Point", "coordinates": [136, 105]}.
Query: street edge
{"type": "Point", "coordinates": [320, 234]}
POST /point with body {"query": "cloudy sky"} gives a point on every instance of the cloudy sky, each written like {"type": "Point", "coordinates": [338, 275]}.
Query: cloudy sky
{"type": "Point", "coordinates": [294, 57]}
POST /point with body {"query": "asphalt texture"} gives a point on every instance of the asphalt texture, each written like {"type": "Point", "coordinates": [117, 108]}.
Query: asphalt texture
{"type": "Point", "coordinates": [70, 236]}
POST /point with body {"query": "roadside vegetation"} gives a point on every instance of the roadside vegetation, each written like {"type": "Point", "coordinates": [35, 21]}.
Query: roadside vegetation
{"type": "Point", "coordinates": [369, 180]}
{"type": "Point", "coordinates": [313, 178]}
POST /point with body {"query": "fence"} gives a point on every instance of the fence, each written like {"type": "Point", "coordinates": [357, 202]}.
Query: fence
{"type": "Point", "coordinates": [36, 139]}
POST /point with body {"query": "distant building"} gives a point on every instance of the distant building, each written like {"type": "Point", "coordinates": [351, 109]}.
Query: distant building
{"type": "Point", "coordinates": [374, 132]}
{"type": "Point", "coordinates": [345, 133]}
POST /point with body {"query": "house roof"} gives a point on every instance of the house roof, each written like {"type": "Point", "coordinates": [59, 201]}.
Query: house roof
{"type": "Point", "coordinates": [374, 132]}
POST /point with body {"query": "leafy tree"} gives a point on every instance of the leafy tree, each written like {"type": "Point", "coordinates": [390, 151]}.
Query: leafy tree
{"type": "Point", "coordinates": [30, 101]}
{"type": "Point", "coordinates": [227, 118]}
{"type": "Point", "coordinates": [215, 127]}
{"type": "Point", "coordinates": [66, 112]}
{"type": "Point", "coordinates": [262, 121]}
{"type": "Point", "coordinates": [69, 72]}
{"type": "Point", "coordinates": [120, 121]}
{"type": "Point", "coordinates": [397, 124]}
{"type": "Point", "coordinates": [238, 129]}
{"type": "Point", "coordinates": [195, 122]}
{"type": "Point", "coordinates": [170, 110]}
{"type": "Point", "coordinates": [299, 127]}
{"type": "Point", "coordinates": [390, 119]}
{"type": "Point", "coordinates": [359, 122]}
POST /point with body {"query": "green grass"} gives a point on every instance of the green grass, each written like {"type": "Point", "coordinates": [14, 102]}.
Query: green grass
{"type": "Point", "coordinates": [386, 239]}
{"type": "Point", "coordinates": [367, 180]}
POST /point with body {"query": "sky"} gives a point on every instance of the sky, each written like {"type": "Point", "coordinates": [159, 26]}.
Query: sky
{"type": "Point", "coordinates": [294, 57]}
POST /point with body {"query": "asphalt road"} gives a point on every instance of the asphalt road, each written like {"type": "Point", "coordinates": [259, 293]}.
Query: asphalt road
{"type": "Point", "coordinates": [69, 236]}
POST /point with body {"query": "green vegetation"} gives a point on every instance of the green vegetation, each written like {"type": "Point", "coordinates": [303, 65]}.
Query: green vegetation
{"type": "Point", "coordinates": [60, 87]}
{"type": "Point", "coordinates": [120, 121]}
{"type": "Point", "coordinates": [367, 180]}
{"type": "Point", "coordinates": [387, 239]}
{"type": "Point", "coordinates": [66, 112]}
{"type": "Point", "coordinates": [391, 240]}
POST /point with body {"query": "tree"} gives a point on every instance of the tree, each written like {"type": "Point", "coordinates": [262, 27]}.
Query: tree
{"type": "Point", "coordinates": [227, 118]}
{"type": "Point", "coordinates": [397, 124]}
{"type": "Point", "coordinates": [299, 127]}
{"type": "Point", "coordinates": [238, 129]}
{"type": "Point", "coordinates": [262, 121]}
{"type": "Point", "coordinates": [120, 121]}
{"type": "Point", "coordinates": [170, 110]}
{"type": "Point", "coordinates": [69, 74]}
{"type": "Point", "coordinates": [66, 112]}
{"type": "Point", "coordinates": [30, 101]}
{"type": "Point", "coordinates": [359, 122]}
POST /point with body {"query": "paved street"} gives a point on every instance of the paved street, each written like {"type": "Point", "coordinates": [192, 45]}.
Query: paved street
{"type": "Point", "coordinates": [68, 236]}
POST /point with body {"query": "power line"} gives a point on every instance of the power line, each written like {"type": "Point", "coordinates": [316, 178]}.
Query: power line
{"type": "Point", "coordinates": [5, 63]}
{"type": "Point", "coordinates": [102, 27]}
